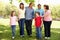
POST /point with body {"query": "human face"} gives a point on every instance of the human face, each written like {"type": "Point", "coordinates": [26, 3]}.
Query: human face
{"type": "Point", "coordinates": [22, 6]}
{"type": "Point", "coordinates": [13, 13]}
{"type": "Point", "coordinates": [45, 9]}
{"type": "Point", "coordinates": [39, 6]}
{"type": "Point", "coordinates": [31, 5]}
{"type": "Point", "coordinates": [37, 14]}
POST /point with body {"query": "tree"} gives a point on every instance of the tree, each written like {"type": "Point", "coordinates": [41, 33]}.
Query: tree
{"type": "Point", "coordinates": [11, 1]}
{"type": "Point", "coordinates": [27, 1]}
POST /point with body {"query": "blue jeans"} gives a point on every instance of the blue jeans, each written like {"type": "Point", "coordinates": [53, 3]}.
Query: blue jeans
{"type": "Point", "coordinates": [38, 32]}
{"type": "Point", "coordinates": [21, 26]}
{"type": "Point", "coordinates": [13, 30]}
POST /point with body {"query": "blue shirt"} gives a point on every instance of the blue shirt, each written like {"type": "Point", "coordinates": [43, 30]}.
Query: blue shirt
{"type": "Point", "coordinates": [41, 11]}
{"type": "Point", "coordinates": [29, 13]}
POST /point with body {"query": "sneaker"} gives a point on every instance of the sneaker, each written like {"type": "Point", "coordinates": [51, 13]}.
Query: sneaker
{"type": "Point", "coordinates": [13, 37]}
{"type": "Point", "coordinates": [30, 35]}
{"type": "Point", "coordinates": [22, 36]}
{"type": "Point", "coordinates": [46, 37]}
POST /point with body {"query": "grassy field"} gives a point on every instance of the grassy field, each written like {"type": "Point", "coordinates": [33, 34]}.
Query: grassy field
{"type": "Point", "coordinates": [5, 32]}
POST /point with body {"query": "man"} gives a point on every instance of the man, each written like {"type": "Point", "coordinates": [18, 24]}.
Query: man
{"type": "Point", "coordinates": [41, 11]}
{"type": "Point", "coordinates": [29, 15]}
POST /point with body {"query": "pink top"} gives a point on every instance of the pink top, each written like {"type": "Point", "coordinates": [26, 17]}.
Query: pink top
{"type": "Point", "coordinates": [47, 16]}
{"type": "Point", "coordinates": [13, 20]}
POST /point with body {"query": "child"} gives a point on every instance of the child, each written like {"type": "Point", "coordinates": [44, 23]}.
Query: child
{"type": "Point", "coordinates": [13, 23]}
{"type": "Point", "coordinates": [38, 22]}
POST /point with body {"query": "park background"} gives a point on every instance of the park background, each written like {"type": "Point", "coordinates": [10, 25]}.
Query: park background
{"type": "Point", "coordinates": [6, 6]}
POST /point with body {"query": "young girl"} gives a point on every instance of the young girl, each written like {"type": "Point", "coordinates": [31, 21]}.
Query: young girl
{"type": "Point", "coordinates": [13, 23]}
{"type": "Point", "coordinates": [38, 22]}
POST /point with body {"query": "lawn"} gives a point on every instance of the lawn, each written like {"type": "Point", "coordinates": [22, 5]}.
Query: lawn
{"type": "Point", "coordinates": [5, 32]}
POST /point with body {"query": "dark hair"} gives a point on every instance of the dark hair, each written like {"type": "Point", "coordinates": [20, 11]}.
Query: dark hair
{"type": "Point", "coordinates": [39, 5]}
{"type": "Point", "coordinates": [37, 13]}
{"type": "Point", "coordinates": [12, 13]}
{"type": "Point", "coordinates": [47, 7]}
{"type": "Point", "coordinates": [21, 4]}
{"type": "Point", "coordinates": [30, 3]}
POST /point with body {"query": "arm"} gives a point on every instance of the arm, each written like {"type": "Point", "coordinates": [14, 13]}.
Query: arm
{"type": "Point", "coordinates": [16, 18]}
{"type": "Point", "coordinates": [34, 22]}
{"type": "Point", "coordinates": [47, 13]}
{"type": "Point", "coordinates": [18, 14]}
{"type": "Point", "coordinates": [33, 14]}
{"type": "Point", "coordinates": [41, 21]}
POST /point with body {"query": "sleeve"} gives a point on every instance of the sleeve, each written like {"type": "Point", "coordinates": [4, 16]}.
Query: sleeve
{"type": "Point", "coordinates": [33, 14]}
{"type": "Point", "coordinates": [25, 10]}
{"type": "Point", "coordinates": [42, 12]}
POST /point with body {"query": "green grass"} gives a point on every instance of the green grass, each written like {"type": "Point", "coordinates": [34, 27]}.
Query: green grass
{"type": "Point", "coordinates": [5, 34]}
{"type": "Point", "coordinates": [5, 31]}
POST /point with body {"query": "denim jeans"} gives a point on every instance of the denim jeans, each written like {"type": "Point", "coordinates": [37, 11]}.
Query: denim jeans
{"type": "Point", "coordinates": [38, 32]}
{"type": "Point", "coordinates": [28, 27]}
{"type": "Point", "coordinates": [13, 30]}
{"type": "Point", "coordinates": [21, 26]}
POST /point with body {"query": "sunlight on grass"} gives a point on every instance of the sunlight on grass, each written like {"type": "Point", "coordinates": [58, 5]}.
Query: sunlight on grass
{"type": "Point", "coordinates": [3, 39]}
{"type": "Point", "coordinates": [55, 24]}
{"type": "Point", "coordinates": [1, 31]}
{"type": "Point", "coordinates": [5, 30]}
{"type": "Point", "coordinates": [55, 31]}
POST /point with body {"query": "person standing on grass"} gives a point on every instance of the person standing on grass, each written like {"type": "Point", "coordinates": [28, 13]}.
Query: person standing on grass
{"type": "Point", "coordinates": [41, 11]}
{"type": "Point", "coordinates": [47, 21]}
{"type": "Point", "coordinates": [13, 19]}
{"type": "Point", "coordinates": [21, 20]}
{"type": "Point", "coordinates": [38, 24]}
{"type": "Point", "coordinates": [29, 15]}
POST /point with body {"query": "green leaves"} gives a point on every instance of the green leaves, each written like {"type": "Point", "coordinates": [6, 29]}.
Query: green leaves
{"type": "Point", "coordinates": [27, 1]}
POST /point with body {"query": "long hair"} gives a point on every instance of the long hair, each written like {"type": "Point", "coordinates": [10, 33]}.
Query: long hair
{"type": "Point", "coordinates": [20, 5]}
{"type": "Point", "coordinates": [47, 7]}
{"type": "Point", "coordinates": [12, 13]}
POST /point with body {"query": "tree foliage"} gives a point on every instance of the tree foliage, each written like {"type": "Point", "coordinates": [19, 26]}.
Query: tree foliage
{"type": "Point", "coordinates": [5, 10]}
{"type": "Point", "coordinates": [56, 11]}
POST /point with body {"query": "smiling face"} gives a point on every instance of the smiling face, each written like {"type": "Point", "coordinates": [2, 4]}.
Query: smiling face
{"type": "Point", "coordinates": [39, 6]}
{"type": "Point", "coordinates": [31, 4]}
{"type": "Point", "coordinates": [21, 6]}
{"type": "Point", "coordinates": [37, 14]}
{"type": "Point", "coordinates": [13, 13]}
{"type": "Point", "coordinates": [46, 7]}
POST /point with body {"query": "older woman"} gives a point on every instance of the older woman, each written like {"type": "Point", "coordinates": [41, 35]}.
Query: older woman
{"type": "Point", "coordinates": [47, 21]}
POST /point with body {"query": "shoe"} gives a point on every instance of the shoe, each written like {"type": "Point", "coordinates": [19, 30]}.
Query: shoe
{"type": "Point", "coordinates": [30, 35]}
{"type": "Point", "coordinates": [22, 36]}
{"type": "Point", "coordinates": [13, 37]}
{"type": "Point", "coordinates": [46, 37]}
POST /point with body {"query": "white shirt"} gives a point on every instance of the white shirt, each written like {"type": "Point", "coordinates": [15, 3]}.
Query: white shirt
{"type": "Point", "coordinates": [21, 13]}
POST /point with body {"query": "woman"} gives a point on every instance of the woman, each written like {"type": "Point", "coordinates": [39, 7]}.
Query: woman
{"type": "Point", "coordinates": [21, 17]}
{"type": "Point", "coordinates": [47, 21]}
